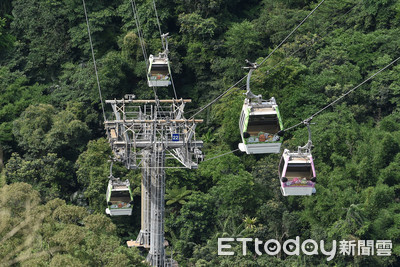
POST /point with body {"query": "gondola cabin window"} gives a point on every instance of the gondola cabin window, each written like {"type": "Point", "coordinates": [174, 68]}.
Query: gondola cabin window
{"type": "Point", "coordinates": [120, 199]}
{"type": "Point", "coordinates": [298, 170]}
{"type": "Point", "coordinates": [159, 72]}
{"type": "Point", "coordinates": [262, 128]}
{"type": "Point", "coordinates": [299, 174]}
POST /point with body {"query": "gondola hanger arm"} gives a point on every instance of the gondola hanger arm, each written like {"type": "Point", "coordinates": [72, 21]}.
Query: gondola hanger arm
{"type": "Point", "coordinates": [249, 94]}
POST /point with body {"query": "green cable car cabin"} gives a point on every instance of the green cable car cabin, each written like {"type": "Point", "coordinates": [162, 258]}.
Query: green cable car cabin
{"type": "Point", "coordinates": [119, 197]}
{"type": "Point", "coordinates": [260, 123]}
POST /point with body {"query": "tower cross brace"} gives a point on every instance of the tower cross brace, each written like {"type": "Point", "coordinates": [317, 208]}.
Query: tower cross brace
{"type": "Point", "coordinates": [146, 134]}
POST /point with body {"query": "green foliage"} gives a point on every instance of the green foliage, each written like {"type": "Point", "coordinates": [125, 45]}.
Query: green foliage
{"type": "Point", "coordinates": [49, 175]}
{"type": "Point", "coordinates": [43, 45]}
{"type": "Point", "coordinates": [115, 73]}
{"type": "Point", "coordinates": [194, 223]}
{"type": "Point", "coordinates": [50, 115]}
{"type": "Point", "coordinates": [98, 224]}
{"type": "Point", "coordinates": [197, 27]}
{"type": "Point", "coordinates": [177, 195]}
{"type": "Point", "coordinates": [130, 47]}
{"type": "Point", "coordinates": [6, 40]}
{"type": "Point", "coordinates": [241, 40]}
{"type": "Point", "coordinates": [235, 193]}
{"type": "Point", "coordinates": [65, 260]}
{"type": "Point", "coordinates": [56, 233]}
{"type": "Point", "coordinates": [93, 172]}
{"type": "Point", "coordinates": [216, 169]}
{"type": "Point", "coordinates": [198, 58]}
{"type": "Point", "coordinates": [16, 96]}
{"type": "Point", "coordinates": [40, 129]}
{"type": "Point", "coordinates": [31, 128]}
{"type": "Point", "coordinates": [226, 113]}
{"type": "Point", "coordinates": [103, 31]}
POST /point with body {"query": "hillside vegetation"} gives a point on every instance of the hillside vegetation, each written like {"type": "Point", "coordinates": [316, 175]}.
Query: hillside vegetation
{"type": "Point", "coordinates": [54, 154]}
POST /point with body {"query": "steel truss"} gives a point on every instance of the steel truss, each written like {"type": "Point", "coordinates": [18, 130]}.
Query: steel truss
{"type": "Point", "coordinates": [145, 134]}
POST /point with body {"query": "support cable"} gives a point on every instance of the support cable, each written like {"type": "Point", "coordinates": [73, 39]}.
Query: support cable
{"type": "Point", "coordinates": [305, 122]}
{"type": "Point", "coordinates": [165, 47]}
{"type": "Point", "coordinates": [94, 61]}
{"type": "Point", "coordinates": [158, 23]}
{"type": "Point", "coordinates": [290, 34]}
{"type": "Point", "coordinates": [173, 86]}
{"type": "Point", "coordinates": [141, 39]}
{"type": "Point", "coordinates": [218, 97]}
{"type": "Point", "coordinates": [342, 96]}
{"type": "Point", "coordinates": [111, 166]}
{"type": "Point", "coordinates": [225, 94]}
{"type": "Point", "coordinates": [265, 59]}
{"type": "Point", "coordinates": [140, 34]}
{"type": "Point", "coordinates": [221, 155]}
{"type": "Point", "coordinates": [309, 43]}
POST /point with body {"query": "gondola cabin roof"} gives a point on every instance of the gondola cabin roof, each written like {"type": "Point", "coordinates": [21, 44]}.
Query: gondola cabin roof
{"type": "Point", "coordinates": [120, 188]}
{"type": "Point", "coordinates": [159, 60]}
{"type": "Point", "coordinates": [298, 158]}
{"type": "Point", "coordinates": [262, 110]}
{"type": "Point", "coordinates": [118, 185]}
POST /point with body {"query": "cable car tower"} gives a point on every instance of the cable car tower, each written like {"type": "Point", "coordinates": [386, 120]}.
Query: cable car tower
{"type": "Point", "coordinates": [145, 134]}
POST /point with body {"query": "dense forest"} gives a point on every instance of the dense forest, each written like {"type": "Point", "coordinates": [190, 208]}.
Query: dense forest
{"type": "Point", "coordinates": [54, 155]}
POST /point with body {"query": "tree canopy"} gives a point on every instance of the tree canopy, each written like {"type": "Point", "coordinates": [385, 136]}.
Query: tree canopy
{"type": "Point", "coordinates": [54, 155]}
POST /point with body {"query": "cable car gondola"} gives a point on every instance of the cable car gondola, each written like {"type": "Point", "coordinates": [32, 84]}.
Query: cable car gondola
{"type": "Point", "coordinates": [297, 172]}
{"type": "Point", "coordinates": [260, 122]}
{"type": "Point", "coordinates": [119, 197]}
{"type": "Point", "coordinates": [159, 72]}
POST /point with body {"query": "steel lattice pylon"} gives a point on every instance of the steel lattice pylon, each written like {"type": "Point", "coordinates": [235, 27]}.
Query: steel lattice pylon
{"type": "Point", "coordinates": [143, 238]}
{"type": "Point", "coordinates": [146, 134]}
{"type": "Point", "coordinates": [157, 189]}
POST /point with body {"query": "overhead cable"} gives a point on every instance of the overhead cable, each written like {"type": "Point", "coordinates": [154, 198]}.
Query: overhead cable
{"type": "Point", "coordinates": [218, 97]}
{"type": "Point", "coordinates": [223, 154]}
{"type": "Point", "coordinates": [158, 23]}
{"type": "Point", "coordinates": [139, 30]}
{"type": "Point", "coordinates": [265, 59]}
{"type": "Point", "coordinates": [290, 34]}
{"type": "Point", "coordinates": [343, 95]}
{"type": "Point", "coordinates": [94, 61]}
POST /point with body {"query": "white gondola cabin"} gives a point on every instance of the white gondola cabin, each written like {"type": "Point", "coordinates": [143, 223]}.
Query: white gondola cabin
{"type": "Point", "coordinates": [159, 73]}
{"type": "Point", "coordinates": [260, 123]}
{"type": "Point", "coordinates": [297, 173]}
{"type": "Point", "coordinates": [119, 197]}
